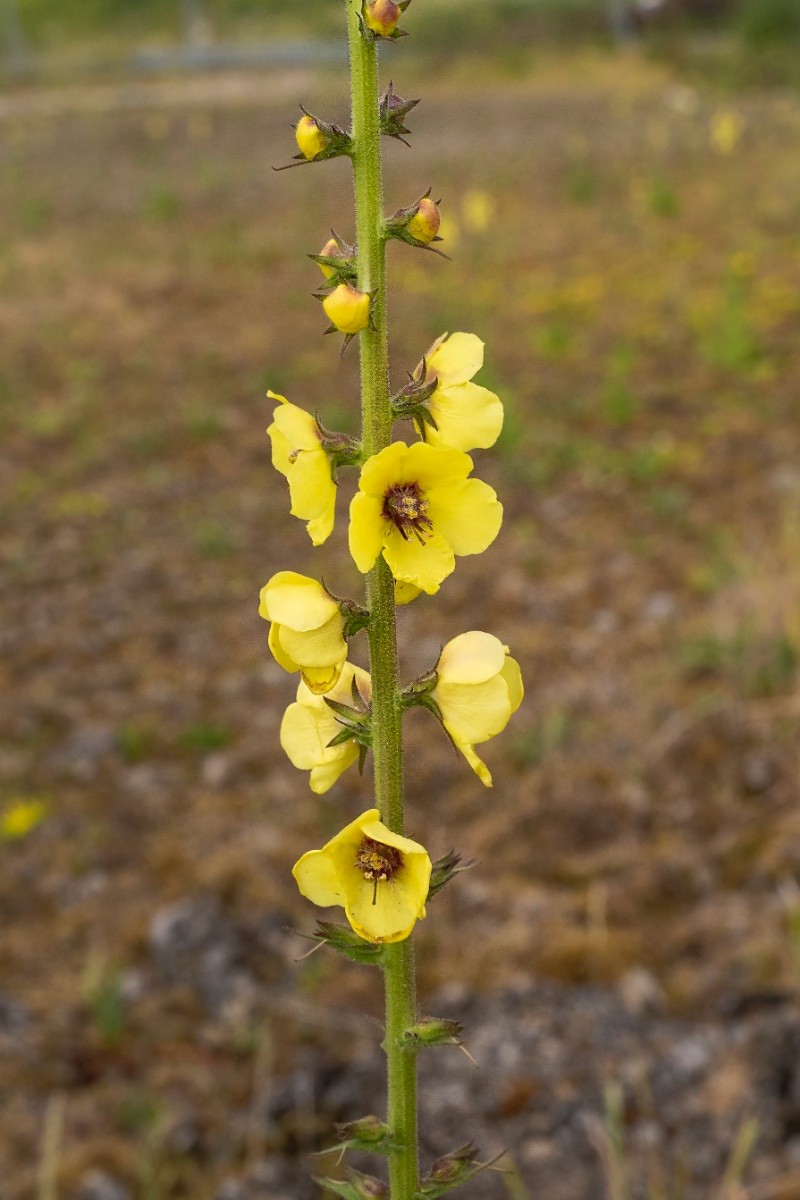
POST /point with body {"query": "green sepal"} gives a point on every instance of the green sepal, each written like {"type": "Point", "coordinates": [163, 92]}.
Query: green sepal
{"type": "Point", "coordinates": [346, 942]}
{"type": "Point", "coordinates": [368, 1134]}
{"type": "Point", "coordinates": [450, 1171]}
{"type": "Point", "coordinates": [355, 618]}
{"type": "Point", "coordinates": [393, 112]}
{"type": "Point", "coordinates": [355, 1187]}
{"type": "Point", "coordinates": [445, 868]}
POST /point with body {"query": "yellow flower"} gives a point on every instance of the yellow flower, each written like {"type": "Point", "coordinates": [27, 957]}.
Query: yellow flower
{"type": "Point", "coordinates": [478, 688]}
{"type": "Point", "coordinates": [347, 308]}
{"type": "Point", "coordinates": [309, 725]}
{"type": "Point", "coordinates": [381, 16]}
{"type": "Point", "coordinates": [21, 817]}
{"type": "Point", "coordinates": [424, 225]}
{"type": "Point", "coordinates": [307, 630]}
{"type": "Point", "coordinates": [310, 139]}
{"type": "Point", "coordinates": [417, 506]}
{"type": "Point", "coordinates": [380, 878]}
{"type": "Point", "coordinates": [467, 416]}
{"type": "Point", "coordinates": [297, 452]}
{"type": "Point", "coordinates": [727, 128]}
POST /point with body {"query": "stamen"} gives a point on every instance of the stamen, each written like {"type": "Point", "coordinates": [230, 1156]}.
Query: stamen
{"type": "Point", "coordinates": [377, 863]}
{"type": "Point", "coordinates": [405, 506]}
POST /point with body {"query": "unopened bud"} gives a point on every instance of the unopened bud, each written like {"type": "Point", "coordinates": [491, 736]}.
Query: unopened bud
{"type": "Point", "coordinates": [381, 16]}
{"type": "Point", "coordinates": [311, 140]}
{"type": "Point", "coordinates": [455, 1166]}
{"type": "Point", "coordinates": [435, 1031]}
{"type": "Point", "coordinates": [329, 250]}
{"type": "Point", "coordinates": [363, 1133]}
{"type": "Point", "coordinates": [347, 309]}
{"type": "Point", "coordinates": [424, 225]}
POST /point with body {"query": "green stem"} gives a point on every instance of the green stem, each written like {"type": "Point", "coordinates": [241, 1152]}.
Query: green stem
{"type": "Point", "coordinates": [401, 1009]}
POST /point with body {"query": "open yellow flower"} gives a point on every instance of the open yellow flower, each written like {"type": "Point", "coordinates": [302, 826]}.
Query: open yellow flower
{"type": "Point", "coordinates": [298, 453]}
{"type": "Point", "coordinates": [309, 725]}
{"type": "Point", "coordinates": [478, 688]}
{"type": "Point", "coordinates": [380, 878]}
{"type": "Point", "coordinates": [307, 630]}
{"type": "Point", "coordinates": [416, 505]}
{"type": "Point", "coordinates": [467, 416]}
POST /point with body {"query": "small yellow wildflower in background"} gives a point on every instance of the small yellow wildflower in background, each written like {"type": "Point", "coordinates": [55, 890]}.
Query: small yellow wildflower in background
{"type": "Point", "coordinates": [298, 453]}
{"type": "Point", "coordinates": [20, 817]}
{"type": "Point", "coordinates": [478, 210]}
{"type": "Point", "coordinates": [727, 128]}
{"type": "Point", "coordinates": [347, 309]}
{"type": "Point", "coordinates": [380, 878]}
{"type": "Point", "coordinates": [309, 726]}
{"type": "Point", "coordinates": [478, 689]}
{"type": "Point", "coordinates": [467, 416]}
{"type": "Point", "coordinates": [416, 505]}
{"type": "Point", "coordinates": [310, 139]}
{"type": "Point", "coordinates": [307, 630]}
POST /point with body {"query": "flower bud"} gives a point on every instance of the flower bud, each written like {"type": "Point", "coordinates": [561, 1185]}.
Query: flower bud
{"type": "Point", "coordinates": [347, 309]}
{"type": "Point", "coordinates": [424, 225]}
{"type": "Point", "coordinates": [381, 16]}
{"type": "Point", "coordinates": [366, 1133]}
{"type": "Point", "coordinates": [435, 1031]}
{"type": "Point", "coordinates": [456, 1166]}
{"type": "Point", "coordinates": [329, 250]}
{"type": "Point", "coordinates": [311, 140]}
{"type": "Point", "coordinates": [417, 224]}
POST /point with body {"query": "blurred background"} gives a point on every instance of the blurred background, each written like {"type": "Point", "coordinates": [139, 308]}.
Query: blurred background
{"type": "Point", "coordinates": [620, 186]}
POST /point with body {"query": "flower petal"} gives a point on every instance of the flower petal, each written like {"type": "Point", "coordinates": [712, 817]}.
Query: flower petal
{"type": "Point", "coordinates": [321, 680]}
{"type": "Point", "coordinates": [468, 515]}
{"type": "Point", "coordinates": [467, 417]}
{"type": "Point", "coordinates": [513, 678]}
{"type": "Point", "coordinates": [477, 764]}
{"type": "Point", "coordinates": [393, 915]}
{"type": "Point", "coordinates": [318, 647]}
{"type": "Point", "coordinates": [432, 467]}
{"type": "Point", "coordinates": [298, 426]}
{"type": "Point", "coordinates": [313, 493]}
{"type": "Point", "coordinates": [424, 564]}
{"type": "Point", "coordinates": [324, 775]}
{"type": "Point", "coordinates": [278, 652]}
{"type": "Point", "coordinates": [457, 358]}
{"type": "Point", "coordinates": [317, 879]}
{"type": "Point", "coordinates": [473, 713]}
{"type": "Point", "coordinates": [382, 470]}
{"type": "Point", "coordinates": [281, 450]}
{"type": "Point", "coordinates": [305, 733]}
{"type": "Point", "coordinates": [297, 601]}
{"type": "Point", "coordinates": [367, 530]}
{"type": "Point", "coordinates": [471, 658]}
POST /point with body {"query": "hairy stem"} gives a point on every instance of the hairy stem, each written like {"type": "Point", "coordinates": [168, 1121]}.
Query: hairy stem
{"type": "Point", "coordinates": [386, 706]}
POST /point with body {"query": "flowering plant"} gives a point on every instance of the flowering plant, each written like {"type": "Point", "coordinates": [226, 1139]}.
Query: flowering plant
{"type": "Point", "coordinates": [416, 509]}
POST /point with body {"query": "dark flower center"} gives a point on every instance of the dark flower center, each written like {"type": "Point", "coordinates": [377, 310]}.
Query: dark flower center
{"type": "Point", "coordinates": [406, 508]}
{"type": "Point", "coordinates": [377, 863]}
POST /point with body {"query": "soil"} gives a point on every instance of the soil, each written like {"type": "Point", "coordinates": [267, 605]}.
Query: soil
{"type": "Point", "coordinates": [632, 916]}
